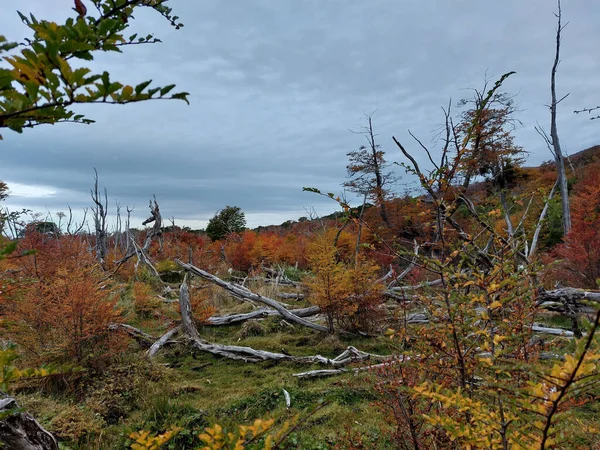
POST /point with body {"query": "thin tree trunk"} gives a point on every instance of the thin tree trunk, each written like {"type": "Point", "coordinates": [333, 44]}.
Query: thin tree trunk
{"type": "Point", "coordinates": [558, 155]}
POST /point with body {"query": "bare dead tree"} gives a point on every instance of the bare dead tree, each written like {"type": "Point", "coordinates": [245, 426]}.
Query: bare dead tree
{"type": "Point", "coordinates": [99, 211]}
{"type": "Point", "coordinates": [141, 251]}
{"type": "Point", "coordinates": [156, 230]}
{"type": "Point", "coordinates": [118, 227]}
{"type": "Point", "coordinates": [71, 222]}
{"type": "Point", "coordinates": [127, 229]}
{"type": "Point", "coordinates": [554, 140]}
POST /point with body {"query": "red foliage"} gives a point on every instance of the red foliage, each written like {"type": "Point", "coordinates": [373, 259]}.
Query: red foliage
{"type": "Point", "coordinates": [581, 248]}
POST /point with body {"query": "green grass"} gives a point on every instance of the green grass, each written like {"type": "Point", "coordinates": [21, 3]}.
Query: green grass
{"type": "Point", "coordinates": [203, 390]}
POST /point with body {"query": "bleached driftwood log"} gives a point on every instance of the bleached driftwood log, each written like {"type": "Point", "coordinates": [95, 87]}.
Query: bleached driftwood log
{"type": "Point", "coordinates": [537, 328]}
{"type": "Point", "coordinates": [144, 339]}
{"type": "Point", "coordinates": [245, 293]}
{"type": "Point", "coordinates": [154, 348]}
{"type": "Point", "coordinates": [331, 372]}
{"type": "Point", "coordinates": [259, 313]}
{"type": "Point", "coordinates": [568, 295]}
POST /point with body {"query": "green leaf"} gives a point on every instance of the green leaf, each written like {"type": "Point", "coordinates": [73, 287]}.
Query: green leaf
{"type": "Point", "coordinates": [23, 18]}
{"type": "Point", "coordinates": [140, 87]}
{"type": "Point", "coordinates": [181, 96]}
{"type": "Point", "coordinates": [106, 26]}
{"type": "Point", "coordinates": [311, 189]}
{"type": "Point", "coordinates": [86, 56]}
{"type": "Point", "coordinates": [164, 91]}
{"type": "Point", "coordinates": [8, 248]}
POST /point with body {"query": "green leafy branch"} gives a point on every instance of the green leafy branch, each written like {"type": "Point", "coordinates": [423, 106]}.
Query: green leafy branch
{"type": "Point", "coordinates": [40, 84]}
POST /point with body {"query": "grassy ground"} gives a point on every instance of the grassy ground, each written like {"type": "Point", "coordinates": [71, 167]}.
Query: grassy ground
{"type": "Point", "coordinates": [196, 390]}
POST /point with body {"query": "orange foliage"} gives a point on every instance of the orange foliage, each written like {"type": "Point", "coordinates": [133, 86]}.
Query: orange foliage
{"type": "Point", "coordinates": [346, 293]}
{"type": "Point", "coordinates": [201, 306]}
{"type": "Point", "coordinates": [58, 311]}
{"type": "Point", "coordinates": [329, 284]}
{"type": "Point", "coordinates": [238, 249]}
{"type": "Point", "coordinates": [144, 303]}
{"type": "Point", "coordinates": [251, 250]}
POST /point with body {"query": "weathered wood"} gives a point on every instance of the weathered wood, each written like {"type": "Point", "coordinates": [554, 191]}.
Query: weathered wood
{"type": "Point", "coordinates": [284, 282]}
{"type": "Point", "coordinates": [571, 295]}
{"type": "Point", "coordinates": [288, 399]}
{"type": "Point", "coordinates": [20, 431]}
{"type": "Point", "coordinates": [331, 372]}
{"type": "Point", "coordinates": [185, 308]}
{"type": "Point", "coordinates": [248, 354]}
{"type": "Point", "coordinates": [144, 339]}
{"type": "Point", "coordinates": [416, 286]}
{"type": "Point", "coordinates": [245, 293]}
{"type": "Point", "coordinates": [259, 313]}
{"type": "Point", "coordinates": [536, 328]}
{"type": "Point", "coordinates": [162, 341]}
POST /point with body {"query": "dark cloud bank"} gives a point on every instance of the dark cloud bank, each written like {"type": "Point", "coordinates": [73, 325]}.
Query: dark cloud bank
{"type": "Point", "coordinates": [276, 85]}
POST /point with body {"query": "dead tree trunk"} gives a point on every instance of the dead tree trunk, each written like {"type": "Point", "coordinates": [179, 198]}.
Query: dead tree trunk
{"type": "Point", "coordinates": [557, 151]}
{"type": "Point", "coordinates": [156, 230]}
{"type": "Point", "coordinates": [142, 251]}
{"type": "Point", "coordinates": [99, 211]}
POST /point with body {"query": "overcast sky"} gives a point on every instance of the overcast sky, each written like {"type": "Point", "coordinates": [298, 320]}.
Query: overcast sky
{"type": "Point", "coordinates": [275, 87]}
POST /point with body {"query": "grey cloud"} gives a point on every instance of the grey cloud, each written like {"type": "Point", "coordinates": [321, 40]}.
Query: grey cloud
{"type": "Point", "coordinates": [276, 85]}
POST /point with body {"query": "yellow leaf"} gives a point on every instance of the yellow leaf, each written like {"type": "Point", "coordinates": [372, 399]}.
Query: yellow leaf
{"type": "Point", "coordinates": [495, 304]}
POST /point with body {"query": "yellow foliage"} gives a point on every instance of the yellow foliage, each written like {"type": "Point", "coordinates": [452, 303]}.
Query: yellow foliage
{"type": "Point", "coordinates": [146, 441]}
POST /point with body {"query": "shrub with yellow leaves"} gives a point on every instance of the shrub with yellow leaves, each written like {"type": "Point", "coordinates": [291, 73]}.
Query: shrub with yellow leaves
{"type": "Point", "coordinates": [215, 437]}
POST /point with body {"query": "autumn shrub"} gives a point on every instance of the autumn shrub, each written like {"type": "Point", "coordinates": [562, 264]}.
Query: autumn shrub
{"type": "Point", "coordinates": [365, 296]}
{"type": "Point", "coordinates": [405, 411]}
{"type": "Point", "coordinates": [60, 312]}
{"type": "Point", "coordinates": [348, 293]}
{"type": "Point", "coordinates": [328, 284]}
{"type": "Point", "coordinates": [201, 302]}
{"type": "Point", "coordinates": [581, 247]}
{"type": "Point", "coordinates": [471, 375]}
{"type": "Point", "coordinates": [145, 302]}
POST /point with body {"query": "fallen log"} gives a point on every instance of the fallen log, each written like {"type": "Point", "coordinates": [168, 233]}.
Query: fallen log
{"type": "Point", "coordinates": [571, 295]}
{"type": "Point", "coordinates": [537, 328]}
{"type": "Point", "coordinates": [251, 296]}
{"type": "Point", "coordinates": [259, 313]}
{"type": "Point", "coordinates": [416, 286]}
{"type": "Point", "coordinates": [144, 339]}
{"type": "Point", "coordinates": [247, 354]}
{"type": "Point", "coordinates": [331, 372]}
{"type": "Point", "coordinates": [286, 282]}
{"type": "Point", "coordinates": [154, 348]}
